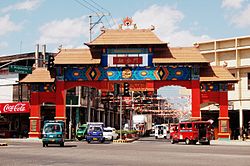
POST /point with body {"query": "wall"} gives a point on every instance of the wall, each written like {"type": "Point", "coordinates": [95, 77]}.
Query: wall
{"type": "Point", "coordinates": [6, 88]}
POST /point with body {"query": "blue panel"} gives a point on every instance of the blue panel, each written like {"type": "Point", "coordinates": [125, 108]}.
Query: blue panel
{"type": "Point", "coordinates": [104, 60]}
{"type": "Point", "coordinates": [127, 73]}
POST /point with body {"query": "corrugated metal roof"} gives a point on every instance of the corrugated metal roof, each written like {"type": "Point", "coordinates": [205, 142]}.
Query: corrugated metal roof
{"type": "Point", "coordinates": [38, 75]}
{"type": "Point", "coordinates": [126, 37]}
{"type": "Point", "coordinates": [75, 56]}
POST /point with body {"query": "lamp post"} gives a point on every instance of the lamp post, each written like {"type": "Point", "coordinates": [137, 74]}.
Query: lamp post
{"type": "Point", "coordinates": [120, 117]}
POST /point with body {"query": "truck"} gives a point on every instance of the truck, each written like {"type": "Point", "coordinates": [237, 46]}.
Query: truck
{"type": "Point", "coordinates": [143, 124]}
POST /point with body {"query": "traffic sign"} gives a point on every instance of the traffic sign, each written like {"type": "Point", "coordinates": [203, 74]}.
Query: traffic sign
{"type": "Point", "coordinates": [20, 69]}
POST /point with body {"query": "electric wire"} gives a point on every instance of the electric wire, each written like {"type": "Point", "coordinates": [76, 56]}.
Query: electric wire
{"type": "Point", "coordinates": [105, 10]}
{"type": "Point", "coordinates": [99, 10]}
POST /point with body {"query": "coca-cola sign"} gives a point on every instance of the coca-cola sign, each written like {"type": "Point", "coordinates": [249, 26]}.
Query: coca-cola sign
{"type": "Point", "coordinates": [11, 108]}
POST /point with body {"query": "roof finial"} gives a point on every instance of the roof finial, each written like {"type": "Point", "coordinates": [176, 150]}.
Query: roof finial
{"type": "Point", "coordinates": [152, 27]}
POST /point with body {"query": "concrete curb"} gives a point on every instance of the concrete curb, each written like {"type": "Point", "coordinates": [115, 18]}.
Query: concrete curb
{"type": "Point", "coordinates": [230, 142]}
{"type": "Point", "coordinates": [124, 141]}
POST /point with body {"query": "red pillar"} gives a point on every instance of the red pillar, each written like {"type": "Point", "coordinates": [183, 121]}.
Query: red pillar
{"type": "Point", "coordinates": [35, 116]}
{"type": "Point", "coordinates": [223, 117]}
{"type": "Point", "coordinates": [60, 101]}
{"type": "Point", "coordinates": [196, 98]}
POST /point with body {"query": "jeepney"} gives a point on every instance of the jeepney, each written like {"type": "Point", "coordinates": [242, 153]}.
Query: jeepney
{"type": "Point", "coordinates": [192, 132]}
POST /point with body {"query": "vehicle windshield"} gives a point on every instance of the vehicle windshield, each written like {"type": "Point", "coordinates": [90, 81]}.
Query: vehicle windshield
{"type": "Point", "coordinates": [95, 129]}
{"type": "Point", "coordinates": [81, 128]}
{"type": "Point", "coordinates": [107, 130]}
{"type": "Point", "coordinates": [51, 128]}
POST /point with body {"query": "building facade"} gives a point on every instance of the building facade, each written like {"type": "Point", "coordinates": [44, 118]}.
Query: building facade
{"type": "Point", "coordinates": [234, 54]}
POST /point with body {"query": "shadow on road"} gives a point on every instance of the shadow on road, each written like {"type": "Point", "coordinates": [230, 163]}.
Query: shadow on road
{"type": "Point", "coordinates": [65, 146]}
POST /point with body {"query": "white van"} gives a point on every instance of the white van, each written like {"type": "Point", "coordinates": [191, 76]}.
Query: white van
{"type": "Point", "coordinates": [160, 131]}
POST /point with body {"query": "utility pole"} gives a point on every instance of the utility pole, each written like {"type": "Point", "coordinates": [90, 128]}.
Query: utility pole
{"type": "Point", "coordinates": [120, 117]}
{"type": "Point", "coordinates": [93, 24]}
{"type": "Point", "coordinates": [70, 120]}
{"type": "Point", "coordinates": [88, 105]}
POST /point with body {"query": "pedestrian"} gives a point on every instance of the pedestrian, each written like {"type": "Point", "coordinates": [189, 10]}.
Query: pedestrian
{"type": "Point", "coordinates": [244, 134]}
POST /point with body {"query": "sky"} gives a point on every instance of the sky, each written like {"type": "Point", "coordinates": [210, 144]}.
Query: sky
{"type": "Point", "coordinates": [25, 23]}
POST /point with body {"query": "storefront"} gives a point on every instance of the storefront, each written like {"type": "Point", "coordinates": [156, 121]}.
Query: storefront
{"type": "Point", "coordinates": [14, 119]}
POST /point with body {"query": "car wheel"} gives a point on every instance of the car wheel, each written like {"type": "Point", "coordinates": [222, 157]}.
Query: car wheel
{"type": "Point", "coordinates": [62, 144]}
{"type": "Point", "coordinates": [156, 137]}
{"type": "Point", "coordinates": [43, 144]}
{"type": "Point", "coordinates": [112, 139]}
{"type": "Point", "coordinates": [79, 138]}
{"type": "Point", "coordinates": [187, 141]}
{"type": "Point", "coordinates": [172, 141]}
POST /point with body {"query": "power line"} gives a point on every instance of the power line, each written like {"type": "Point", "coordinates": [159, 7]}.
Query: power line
{"type": "Point", "coordinates": [87, 7]}
{"type": "Point", "coordinates": [99, 10]}
{"type": "Point", "coordinates": [105, 10]}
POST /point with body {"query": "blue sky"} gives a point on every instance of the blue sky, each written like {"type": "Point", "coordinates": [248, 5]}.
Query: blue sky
{"type": "Point", "coordinates": [24, 23]}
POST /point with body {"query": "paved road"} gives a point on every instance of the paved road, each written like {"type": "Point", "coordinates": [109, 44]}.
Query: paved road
{"type": "Point", "coordinates": [146, 152]}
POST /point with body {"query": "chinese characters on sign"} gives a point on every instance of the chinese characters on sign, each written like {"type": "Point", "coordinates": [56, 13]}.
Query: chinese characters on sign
{"type": "Point", "coordinates": [127, 60]}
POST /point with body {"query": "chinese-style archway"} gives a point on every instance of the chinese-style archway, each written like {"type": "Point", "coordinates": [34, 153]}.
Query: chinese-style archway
{"type": "Point", "coordinates": [138, 57]}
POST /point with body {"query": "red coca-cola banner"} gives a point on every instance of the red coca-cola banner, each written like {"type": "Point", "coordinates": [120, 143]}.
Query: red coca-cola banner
{"type": "Point", "coordinates": [12, 108]}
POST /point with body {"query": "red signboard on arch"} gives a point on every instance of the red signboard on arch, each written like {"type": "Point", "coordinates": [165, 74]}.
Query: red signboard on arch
{"type": "Point", "coordinates": [13, 108]}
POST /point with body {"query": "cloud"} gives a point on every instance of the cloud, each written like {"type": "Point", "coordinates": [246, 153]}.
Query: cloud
{"type": "Point", "coordinates": [167, 24]}
{"type": "Point", "coordinates": [242, 18]}
{"type": "Point", "coordinates": [235, 4]}
{"type": "Point", "coordinates": [26, 5]}
{"type": "Point", "coordinates": [6, 25]}
{"type": "Point", "coordinates": [64, 31]}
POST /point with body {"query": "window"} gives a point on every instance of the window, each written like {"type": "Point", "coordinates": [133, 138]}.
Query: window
{"type": "Point", "coordinates": [21, 92]}
{"type": "Point", "coordinates": [248, 80]}
{"type": "Point", "coordinates": [231, 86]}
{"type": "Point", "coordinates": [189, 125]}
{"type": "Point", "coordinates": [182, 126]}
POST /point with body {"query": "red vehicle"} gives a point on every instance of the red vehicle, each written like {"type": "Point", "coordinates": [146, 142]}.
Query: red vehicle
{"type": "Point", "coordinates": [191, 132]}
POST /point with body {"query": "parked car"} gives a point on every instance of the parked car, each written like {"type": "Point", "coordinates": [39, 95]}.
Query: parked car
{"type": "Point", "coordinates": [161, 131]}
{"type": "Point", "coordinates": [110, 133]}
{"type": "Point", "coordinates": [53, 132]}
{"type": "Point", "coordinates": [81, 132]}
{"type": "Point", "coordinates": [95, 132]}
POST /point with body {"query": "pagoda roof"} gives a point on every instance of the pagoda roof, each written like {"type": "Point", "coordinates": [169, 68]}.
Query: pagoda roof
{"type": "Point", "coordinates": [162, 56]}
{"type": "Point", "coordinates": [126, 37]}
{"type": "Point", "coordinates": [178, 55]}
{"type": "Point", "coordinates": [75, 56]}
{"type": "Point", "coordinates": [39, 75]}
{"type": "Point", "coordinates": [216, 74]}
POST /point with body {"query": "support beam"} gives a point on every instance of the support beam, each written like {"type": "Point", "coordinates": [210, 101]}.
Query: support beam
{"type": "Point", "coordinates": [223, 117]}
{"type": "Point", "coordinates": [196, 98]}
{"type": "Point", "coordinates": [60, 101]}
{"type": "Point", "coordinates": [35, 116]}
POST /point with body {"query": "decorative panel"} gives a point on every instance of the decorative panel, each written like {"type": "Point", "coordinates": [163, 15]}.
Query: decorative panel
{"type": "Point", "coordinates": [127, 73]}
{"type": "Point", "coordinates": [210, 86]}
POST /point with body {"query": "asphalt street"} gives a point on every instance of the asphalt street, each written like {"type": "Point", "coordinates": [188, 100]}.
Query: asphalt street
{"type": "Point", "coordinates": [146, 152]}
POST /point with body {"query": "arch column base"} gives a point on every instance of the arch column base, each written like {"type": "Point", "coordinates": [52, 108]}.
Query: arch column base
{"type": "Point", "coordinates": [223, 128]}
{"type": "Point", "coordinates": [35, 127]}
